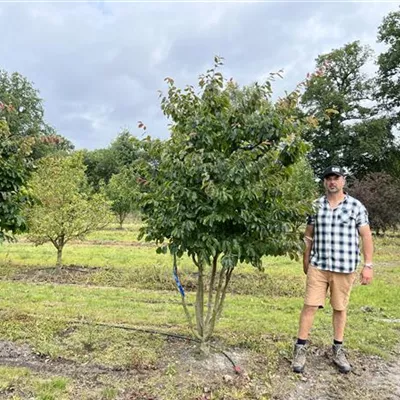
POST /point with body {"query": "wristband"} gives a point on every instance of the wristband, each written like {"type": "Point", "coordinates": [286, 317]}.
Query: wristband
{"type": "Point", "coordinates": [368, 265]}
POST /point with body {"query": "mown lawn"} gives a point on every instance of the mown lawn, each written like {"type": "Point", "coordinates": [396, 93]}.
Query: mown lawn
{"type": "Point", "coordinates": [111, 280]}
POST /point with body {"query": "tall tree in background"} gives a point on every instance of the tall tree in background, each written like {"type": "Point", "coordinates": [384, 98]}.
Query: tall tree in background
{"type": "Point", "coordinates": [389, 62]}
{"type": "Point", "coordinates": [125, 148]}
{"type": "Point", "coordinates": [217, 194]}
{"type": "Point", "coordinates": [100, 166]}
{"type": "Point", "coordinates": [350, 131]}
{"type": "Point", "coordinates": [388, 81]}
{"type": "Point", "coordinates": [140, 156]}
{"type": "Point", "coordinates": [15, 165]}
{"type": "Point", "coordinates": [27, 118]}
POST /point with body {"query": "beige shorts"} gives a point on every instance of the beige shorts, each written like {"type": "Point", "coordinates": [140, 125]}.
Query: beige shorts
{"type": "Point", "coordinates": [319, 281]}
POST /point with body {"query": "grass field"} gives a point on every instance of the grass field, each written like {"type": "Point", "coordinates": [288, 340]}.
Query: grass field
{"type": "Point", "coordinates": [61, 335]}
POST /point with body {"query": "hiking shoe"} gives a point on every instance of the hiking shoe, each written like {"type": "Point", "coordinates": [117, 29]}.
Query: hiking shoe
{"type": "Point", "coordinates": [299, 357]}
{"type": "Point", "coordinates": [339, 358]}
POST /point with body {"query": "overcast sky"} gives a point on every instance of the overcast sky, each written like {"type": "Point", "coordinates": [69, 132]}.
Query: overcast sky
{"type": "Point", "coordinates": [98, 65]}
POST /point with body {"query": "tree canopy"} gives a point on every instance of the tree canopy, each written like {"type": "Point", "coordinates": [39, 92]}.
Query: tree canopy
{"type": "Point", "coordinates": [27, 118]}
{"type": "Point", "coordinates": [15, 164]}
{"type": "Point", "coordinates": [217, 194]}
{"type": "Point", "coordinates": [64, 206]}
{"type": "Point", "coordinates": [350, 132]}
{"type": "Point", "coordinates": [388, 78]}
{"type": "Point", "coordinates": [123, 191]}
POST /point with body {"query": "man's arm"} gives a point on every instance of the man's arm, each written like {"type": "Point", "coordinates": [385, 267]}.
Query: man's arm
{"type": "Point", "coordinates": [308, 240]}
{"type": "Point", "coordinates": [368, 250]}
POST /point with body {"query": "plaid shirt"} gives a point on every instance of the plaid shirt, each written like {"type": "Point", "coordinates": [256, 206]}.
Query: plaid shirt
{"type": "Point", "coordinates": [336, 237]}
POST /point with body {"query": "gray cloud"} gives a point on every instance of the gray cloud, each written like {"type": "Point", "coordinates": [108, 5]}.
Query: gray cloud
{"type": "Point", "coordinates": [98, 66]}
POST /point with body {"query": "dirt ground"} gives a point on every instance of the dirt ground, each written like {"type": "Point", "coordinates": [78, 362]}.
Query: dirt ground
{"type": "Point", "coordinates": [371, 378]}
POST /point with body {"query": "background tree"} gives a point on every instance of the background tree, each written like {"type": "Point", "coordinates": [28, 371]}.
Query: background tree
{"type": "Point", "coordinates": [64, 206]}
{"type": "Point", "coordinates": [123, 192]}
{"type": "Point", "coordinates": [126, 148]}
{"type": "Point", "coordinates": [100, 166]}
{"type": "Point", "coordinates": [28, 116]}
{"type": "Point", "coordinates": [380, 193]}
{"type": "Point", "coordinates": [388, 78]}
{"type": "Point", "coordinates": [126, 151]}
{"type": "Point", "coordinates": [53, 144]}
{"type": "Point", "coordinates": [350, 133]}
{"type": "Point", "coordinates": [217, 194]}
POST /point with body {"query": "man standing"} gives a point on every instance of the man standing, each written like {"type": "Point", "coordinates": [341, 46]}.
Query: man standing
{"type": "Point", "coordinates": [330, 259]}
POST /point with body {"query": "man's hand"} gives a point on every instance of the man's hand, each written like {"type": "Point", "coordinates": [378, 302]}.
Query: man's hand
{"type": "Point", "coordinates": [366, 276]}
{"type": "Point", "coordinates": [308, 240]}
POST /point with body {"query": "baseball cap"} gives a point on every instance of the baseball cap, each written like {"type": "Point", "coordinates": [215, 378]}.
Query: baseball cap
{"type": "Point", "coordinates": [333, 170]}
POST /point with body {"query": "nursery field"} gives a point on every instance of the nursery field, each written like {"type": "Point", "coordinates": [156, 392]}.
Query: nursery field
{"type": "Point", "coordinates": [108, 325]}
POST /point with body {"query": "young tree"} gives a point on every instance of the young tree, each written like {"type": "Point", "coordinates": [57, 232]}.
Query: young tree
{"type": "Point", "coordinates": [350, 132]}
{"type": "Point", "coordinates": [217, 195]}
{"type": "Point", "coordinates": [123, 191]}
{"type": "Point", "coordinates": [380, 193]}
{"type": "Point", "coordinates": [64, 206]}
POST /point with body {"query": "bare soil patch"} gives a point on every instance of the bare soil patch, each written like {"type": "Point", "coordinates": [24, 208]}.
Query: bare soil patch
{"type": "Point", "coordinates": [182, 363]}
{"type": "Point", "coordinates": [78, 274]}
{"type": "Point", "coordinates": [372, 378]}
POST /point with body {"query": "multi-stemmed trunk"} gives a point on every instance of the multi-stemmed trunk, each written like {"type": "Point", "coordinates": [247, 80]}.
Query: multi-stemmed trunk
{"type": "Point", "coordinates": [208, 312]}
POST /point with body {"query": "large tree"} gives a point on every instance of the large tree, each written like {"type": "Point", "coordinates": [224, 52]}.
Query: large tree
{"type": "Point", "coordinates": [125, 148]}
{"type": "Point", "coordinates": [28, 116]}
{"type": "Point", "coordinates": [15, 164]}
{"type": "Point", "coordinates": [351, 132]}
{"type": "Point", "coordinates": [218, 192]}
{"type": "Point", "coordinates": [389, 62]}
{"type": "Point", "coordinates": [126, 151]}
{"type": "Point", "coordinates": [64, 206]}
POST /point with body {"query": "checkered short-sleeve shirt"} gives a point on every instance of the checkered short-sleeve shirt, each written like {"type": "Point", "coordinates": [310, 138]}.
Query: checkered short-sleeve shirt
{"type": "Point", "coordinates": [336, 237]}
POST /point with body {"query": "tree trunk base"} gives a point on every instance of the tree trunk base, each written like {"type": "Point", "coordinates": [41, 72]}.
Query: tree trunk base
{"type": "Point", "coordinates": [204, 348]}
